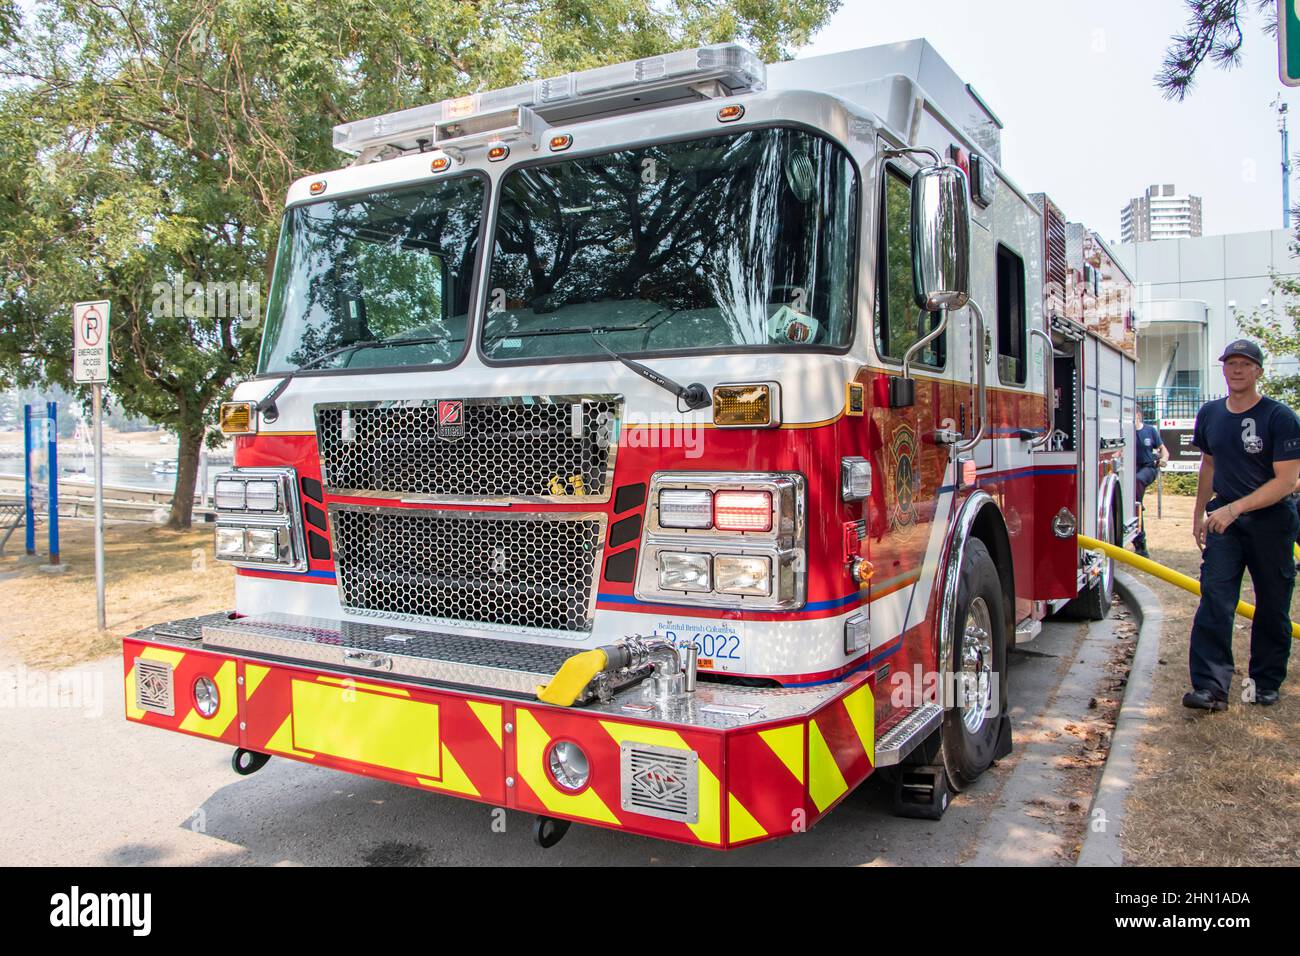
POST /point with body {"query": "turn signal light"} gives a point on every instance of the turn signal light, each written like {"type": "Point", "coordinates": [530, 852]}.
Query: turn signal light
{"type": "Point", "coordinates": [236, 418]}
{"type": "Point", "coordinates": [743, 406]}
{"type": "Point", "coordinates": [742, 510]}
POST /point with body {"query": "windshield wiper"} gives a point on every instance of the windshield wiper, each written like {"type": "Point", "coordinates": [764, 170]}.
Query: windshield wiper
{"type": "Point", "coordinates": [267, 405]}
{"type": "Point", "coordinates": [693, 396]}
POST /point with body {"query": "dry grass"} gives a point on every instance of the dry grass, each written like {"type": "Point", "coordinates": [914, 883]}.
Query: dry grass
{"type": "Point", "coordinates": [150, 574]}
{"type": "Point", "coordinates": [1211, 789]}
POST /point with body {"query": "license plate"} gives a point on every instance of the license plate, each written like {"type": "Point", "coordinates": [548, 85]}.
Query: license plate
{"type": "Point", "coordinates": [720, 645]}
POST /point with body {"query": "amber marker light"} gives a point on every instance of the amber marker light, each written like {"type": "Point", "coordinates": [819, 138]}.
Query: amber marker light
{"type": "Point", "coordinates": [560, 143]}
{"type": "Point", "coordinates": [317, 187]}
{"type": "Point", "coordinates": [742, 406]}
{"type": "Point", "coordinates": [236, 418]}
{"type": "Point", "coordinates": [498, 153]}
{"type": "Point", "coordinates": [729, 114]}
{"type": "Point", "coordinates": [439, 165]}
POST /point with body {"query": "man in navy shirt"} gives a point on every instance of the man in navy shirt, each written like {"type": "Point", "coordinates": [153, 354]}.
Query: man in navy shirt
{"type": "Point", "coordinates": [1151, 457]}
{"type": "Point", "coordinates": [1250, 462]}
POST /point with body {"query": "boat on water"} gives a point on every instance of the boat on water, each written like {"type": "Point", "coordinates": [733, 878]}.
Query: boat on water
{"type": "Point", "coordinates": [165, 466]}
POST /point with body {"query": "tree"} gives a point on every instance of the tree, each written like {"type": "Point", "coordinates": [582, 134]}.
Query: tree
{"type": "Point", "coordinates": [1279, 336]}
{"type": "Point", "coordinates": [1214, 32]}
{"type": "Point", "coordinates": [145, 143]}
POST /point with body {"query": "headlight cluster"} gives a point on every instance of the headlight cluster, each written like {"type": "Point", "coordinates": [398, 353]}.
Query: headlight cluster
{"type": "Point", "coordinates": [725, 538]}
{"type": "Point", "coordinates": [257, 518]}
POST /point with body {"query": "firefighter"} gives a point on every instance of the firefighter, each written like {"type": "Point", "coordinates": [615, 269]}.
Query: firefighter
{"type": "Point", "coordinates": [1152, 455]}
{"type": "Point", "coordinates": [1250, 448]}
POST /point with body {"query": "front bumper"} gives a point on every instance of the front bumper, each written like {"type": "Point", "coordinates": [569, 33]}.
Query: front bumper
{"type": "Point", "coordinates": [725, 767]}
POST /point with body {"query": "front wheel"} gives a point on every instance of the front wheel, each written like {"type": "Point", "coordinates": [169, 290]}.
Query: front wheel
{"type": "Point", "coordinates": [971, 727]}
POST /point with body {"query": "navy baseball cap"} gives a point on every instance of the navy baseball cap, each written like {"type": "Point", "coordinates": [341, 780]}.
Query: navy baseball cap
{"type": "Point", "coordinates": [1246, 349]}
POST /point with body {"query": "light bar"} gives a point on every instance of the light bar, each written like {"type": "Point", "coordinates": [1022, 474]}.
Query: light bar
{"type": "Point", "coordinates": [730, 65]}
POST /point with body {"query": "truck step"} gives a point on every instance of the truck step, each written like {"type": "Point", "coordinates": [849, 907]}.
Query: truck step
{"type": "Point", "coordinates": [908, 734]}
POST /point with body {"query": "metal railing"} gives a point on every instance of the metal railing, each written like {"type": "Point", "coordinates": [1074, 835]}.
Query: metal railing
{"type": "Point", "coordinates": [1176, 402]}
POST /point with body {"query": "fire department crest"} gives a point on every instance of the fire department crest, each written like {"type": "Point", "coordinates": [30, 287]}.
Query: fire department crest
{"type": "Point", "coordinates": [906, 479]}
{"type": "Point", "coordinates": [451, 419]}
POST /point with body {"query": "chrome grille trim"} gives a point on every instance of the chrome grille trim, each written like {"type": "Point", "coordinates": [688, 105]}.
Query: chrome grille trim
{"type": "Point", "coordinates": [510, 452]}
{"type": "Point", "coordinates": [529, 572]}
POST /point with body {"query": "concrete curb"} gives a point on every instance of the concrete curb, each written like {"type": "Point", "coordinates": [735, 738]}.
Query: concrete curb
{"type": "Point", "coordinates": [1101, 844]}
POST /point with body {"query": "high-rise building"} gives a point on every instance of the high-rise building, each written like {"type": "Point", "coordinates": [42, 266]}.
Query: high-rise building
{"type": "Point", "coordinates": [1161, 214]}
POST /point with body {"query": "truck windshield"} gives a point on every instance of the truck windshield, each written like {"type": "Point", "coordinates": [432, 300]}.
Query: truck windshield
{"type": "Point", "coordinates": [728, 242]}
{"type": "Point", "coordinates": [387, 266]}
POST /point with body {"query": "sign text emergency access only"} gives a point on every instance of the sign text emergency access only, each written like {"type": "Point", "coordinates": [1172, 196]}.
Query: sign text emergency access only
{"type": "Point", "coordinates": [90, 342]}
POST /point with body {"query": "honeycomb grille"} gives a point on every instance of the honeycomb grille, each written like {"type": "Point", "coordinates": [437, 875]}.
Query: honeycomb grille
{"type": "Point", "coordinates": [526, 571]}
{"type": "Point", "coordinates": [534, 449]}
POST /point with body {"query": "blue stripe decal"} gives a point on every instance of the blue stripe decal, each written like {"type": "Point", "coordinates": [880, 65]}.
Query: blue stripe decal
{"type": "Point", "coordinates": [866, 664]}
{"type": "Point", "coordinates": [293, 575]}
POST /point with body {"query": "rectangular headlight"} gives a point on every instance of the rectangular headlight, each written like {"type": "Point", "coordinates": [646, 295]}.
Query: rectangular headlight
{"type": "Point", "coordinates": [743, 575]}
{"type": "Point", "coordinates": [679, 571]}
{"type": "Point", "coordinates": [742, 510]}
{"type": "Point", "coordinates": [228, 495]}
{"type": "Point", "coordinates": [263, 543]}
{"type": "Point", "coordinates": [262, 496]}
{"type": "Point", "coordinates": [680, 508]}
{"type": "Point", "coordinates": [230, 542]}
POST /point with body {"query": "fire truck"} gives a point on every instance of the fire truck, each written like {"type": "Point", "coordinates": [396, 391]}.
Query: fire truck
{"type": "Point", "coordinates": [664, 447]}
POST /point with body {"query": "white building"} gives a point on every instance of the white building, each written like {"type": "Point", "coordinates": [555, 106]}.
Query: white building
{"type": "Point", "coordinates": [1160, 214]}
{"type": "Point", "coordinates": [1188, 296]}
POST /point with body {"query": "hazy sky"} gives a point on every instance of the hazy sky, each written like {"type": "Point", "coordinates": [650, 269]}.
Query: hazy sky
{"type": "Point", "coordinates": [1072, 82]}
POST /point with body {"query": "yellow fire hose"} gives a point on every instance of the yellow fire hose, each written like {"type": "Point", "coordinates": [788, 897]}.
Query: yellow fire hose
{"type": "Point", "coordinates": [1166, 574]}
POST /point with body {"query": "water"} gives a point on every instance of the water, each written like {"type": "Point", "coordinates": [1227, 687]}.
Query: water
{"type": "Point", "coordinates": [130, 472]}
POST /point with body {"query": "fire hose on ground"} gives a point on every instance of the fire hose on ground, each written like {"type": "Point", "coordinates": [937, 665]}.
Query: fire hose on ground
{"type": "Point", "coordinates": [1167, 574]}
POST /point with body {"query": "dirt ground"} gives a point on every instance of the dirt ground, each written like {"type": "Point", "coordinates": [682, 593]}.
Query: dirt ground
{"type": "Point", "coordinates": [150, 575]}
{"type": "Point", "coordinates": [1212, 789]}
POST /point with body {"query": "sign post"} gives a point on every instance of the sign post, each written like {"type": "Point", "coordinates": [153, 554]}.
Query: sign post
{"type": "Point", "coordinates": [1288, 42]}
{"type": "Point", "coordinates": [52, 456]}
{"type": "Point", "coordinates": [90, 366]}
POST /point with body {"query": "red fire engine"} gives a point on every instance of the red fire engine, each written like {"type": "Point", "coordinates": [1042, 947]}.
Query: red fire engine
{"type": "Point", "coordinates": [665, 447]}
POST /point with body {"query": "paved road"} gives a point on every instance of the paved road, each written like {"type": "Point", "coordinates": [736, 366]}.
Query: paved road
{"type": "Point", "coordinates": [91, 789]}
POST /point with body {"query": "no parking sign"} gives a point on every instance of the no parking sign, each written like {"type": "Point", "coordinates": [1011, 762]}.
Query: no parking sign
{"type": "Point", "coordinates": [90, 342]}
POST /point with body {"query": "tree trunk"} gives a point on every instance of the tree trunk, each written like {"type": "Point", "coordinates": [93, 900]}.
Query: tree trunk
{"type": "Point", "coordinates": [187, 464]}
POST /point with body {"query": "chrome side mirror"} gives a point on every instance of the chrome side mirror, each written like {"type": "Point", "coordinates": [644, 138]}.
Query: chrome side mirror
{"type": "Point", "coordinates": [941, 238]}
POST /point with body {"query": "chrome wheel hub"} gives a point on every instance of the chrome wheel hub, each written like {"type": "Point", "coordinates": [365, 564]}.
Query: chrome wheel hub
{"type": "Point", "coordinates": [975, 690]}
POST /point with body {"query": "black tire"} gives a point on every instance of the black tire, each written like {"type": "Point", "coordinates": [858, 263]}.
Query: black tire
{"type": "Point", "coordinates": [1095, 602]}
{"type": "Point", "coordinates": [969, 746]}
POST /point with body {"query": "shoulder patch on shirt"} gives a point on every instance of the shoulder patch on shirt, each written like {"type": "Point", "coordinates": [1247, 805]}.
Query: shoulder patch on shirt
{"type": "Point", "coordinates": [1290, 445]}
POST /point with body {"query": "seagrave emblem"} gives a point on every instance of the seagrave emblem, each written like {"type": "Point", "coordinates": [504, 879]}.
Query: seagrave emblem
{"type": "Point", "coordinates": [451, 419]}
{"type": "Point", "coordinates": [658, 783]}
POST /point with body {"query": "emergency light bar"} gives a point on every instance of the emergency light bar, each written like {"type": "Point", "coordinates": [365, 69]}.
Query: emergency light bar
{"type": "Point", "coordinates": [500, 115]}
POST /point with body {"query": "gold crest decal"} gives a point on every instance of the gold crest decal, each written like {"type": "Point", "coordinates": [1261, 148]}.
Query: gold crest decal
{"type": "Point", "coordinates": [906, 478]}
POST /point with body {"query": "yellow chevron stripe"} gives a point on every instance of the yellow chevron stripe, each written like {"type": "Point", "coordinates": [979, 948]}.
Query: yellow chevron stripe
{"type": "Point", "coordinates": [227, 705]}
{"type": "Point", "coordinates": [531, 748]}
{"type": "Point", "coordinates": [861, 706]}
{"type": "Point", "coordinates": [453, 777]}
{"type": "Point", "coordinates": [825, 782]}
{"type": "Point", "coordinates": [254, 674]}
{"type": "Point", "coordinates": [741, 824]}
{"type": "Point", "coordinates": [709, 827]}
{"type": "Point", "coordinates": [281, 741]}
{"type": "Point", "coordinates": [787, 744]}
{"type": "Point", "coordinates": [489, 715]}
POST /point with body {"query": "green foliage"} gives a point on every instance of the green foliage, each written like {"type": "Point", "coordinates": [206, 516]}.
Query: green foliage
{"type": "Point", "coordinates": [152, 141]}
{"type": "Point", "coordinates": [1179, 483]}
{"type": "Point", "coordinates": [1279, 336]}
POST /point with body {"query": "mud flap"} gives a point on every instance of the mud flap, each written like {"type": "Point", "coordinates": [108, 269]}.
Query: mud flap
{"type": "Point", "coordinates": [921, 792]}
{"type": "Point", "coordinates": [1003, 747]}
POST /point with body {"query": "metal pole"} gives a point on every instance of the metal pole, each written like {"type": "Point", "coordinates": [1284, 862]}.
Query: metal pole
{"type": "Point", "coordinates": [99, 504]}
{"type": "Point", "coordinates": [1286, 166]}
{"type": "Point", "coordinates": [27, 479]}
{"type": "Point", "coordinates": [52, 440]}
{"type": "Point", "coordinates": [1160, 495]}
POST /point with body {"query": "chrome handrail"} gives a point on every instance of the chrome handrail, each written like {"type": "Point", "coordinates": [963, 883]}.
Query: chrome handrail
{"type": "Point", "coordinates": [981, 381]}
{"type": "Point", "coordinates": [1049, 387]}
